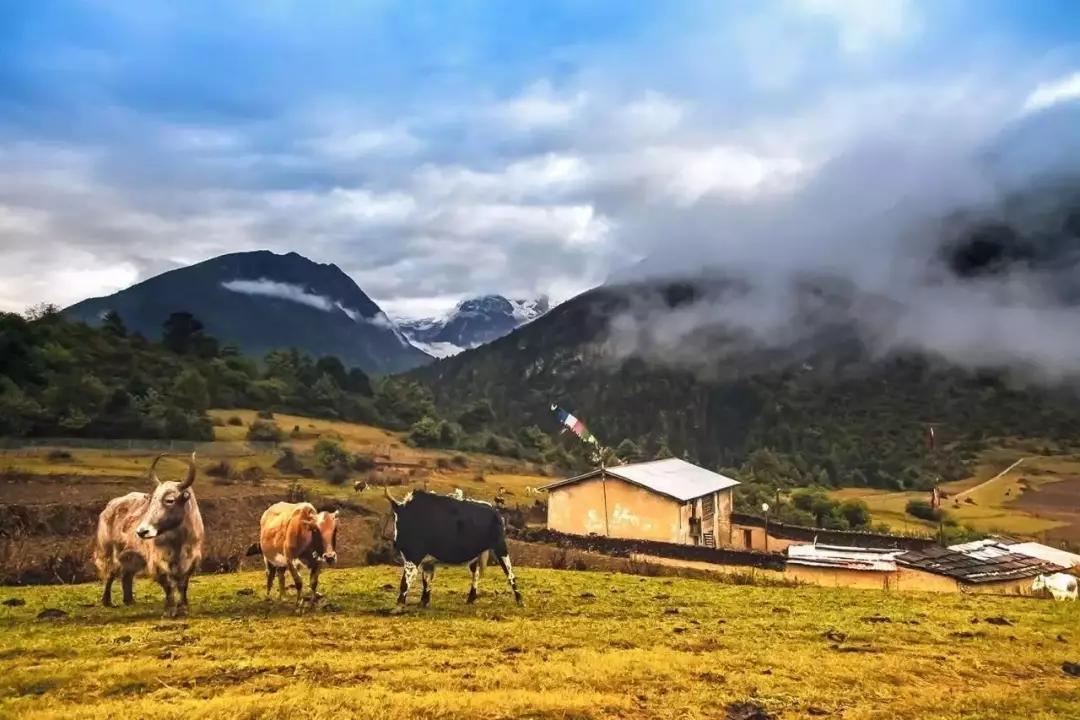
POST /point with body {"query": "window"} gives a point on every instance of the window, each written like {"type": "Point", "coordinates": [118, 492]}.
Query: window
{"type": "Point", "coordinates": [748, 538]}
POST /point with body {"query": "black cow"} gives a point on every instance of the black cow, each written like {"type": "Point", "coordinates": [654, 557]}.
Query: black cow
{"type": "Point", "coordinates": [451, 531]}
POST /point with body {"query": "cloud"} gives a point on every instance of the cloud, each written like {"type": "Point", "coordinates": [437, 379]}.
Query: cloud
{"type": "Point", "coordinates": [1053, 92]}
{"type": "Point", "coordinates": [862, 26]}
{"type": "Point", "coordinates": [284, 291]}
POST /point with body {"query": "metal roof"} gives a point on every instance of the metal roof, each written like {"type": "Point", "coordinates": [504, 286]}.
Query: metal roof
{"type": "Point", "coordinates": [672, 477]}
{"type": "Point", "coordinates": [1049, 554]}
{"type": "Point", "coordinates": [842, 557]}
{"type": "Point", "coordinates": [985, 563]}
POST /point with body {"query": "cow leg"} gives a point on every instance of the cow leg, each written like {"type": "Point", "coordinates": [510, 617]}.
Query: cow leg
{"type": "Point", "coordinates": [106, 593]}
{"type": "Point", "coordinates": [504, 563]}
{"type": "Point", "coordinates": [270, 572]}
{"type": "Point", "coordinates": [408, 574]}
{"type": "Point", "coordinates": [170, 603]}
{"type": "Point", "coordinates": [297, 582]}
{"type": "Point", "coordinates": [474, 569]}
{"type": "Point", "coordinates": [127, 580]}
{"type": "Point", "coordinates": [281, 583]}
{"type": "Point", "coordinates": [182, 584]}
{"type": "Point", "coordinates": [315, 569]}
{"type": "Point", "coordinates": [427, 577]}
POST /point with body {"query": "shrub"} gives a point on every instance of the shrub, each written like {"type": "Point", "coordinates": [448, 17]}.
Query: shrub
{"type": "Point", "coordinates": [253, 475]}
{"type": "Point", "coordinates": [59, 456]}
{"type": "Point", "coordinates": [363, 463]}
{"type": "Point", "coordinates": [425, 432]}
{"type": "Point", "coordinates": [460, 461]}
{"type": "Point", "coordinates": [264, 431]}
{"type": "Point", "coordinates": [265, 415]}
{"type": "Point", "coordinates": [287, 462]}
{"type": "Point", "coordinates": [296, 492]}
{"type": "Point", "coordinates": [923, 510]}
{"type": "Point", "coordinates": [329, 454]}
{"type": "Point", "coordinates": [235, 421]}
{"type": "Point", "coordinates": [217, 422]}
{"type": "Point", "coordinates": [856, 512]}
{"type": "Point", "coordinates": [337, 475]}
{"type": "Point", "coordinates": [442, 464]}
{"type": "Point", "coordinates": [220, 469]}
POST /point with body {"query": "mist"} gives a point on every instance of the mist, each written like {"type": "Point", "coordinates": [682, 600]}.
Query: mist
{"type": "Point", "coordinates": [962, 248]}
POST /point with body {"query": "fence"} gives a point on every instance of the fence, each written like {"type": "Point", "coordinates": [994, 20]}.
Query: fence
{"type": "Point", "coordinates": [237, 448]}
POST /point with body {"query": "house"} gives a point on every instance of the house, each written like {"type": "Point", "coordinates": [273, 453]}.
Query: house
{"type": "Point", "coordinates": [1001, 545]}
{"type": "Point", "coordinates": [842, 566]}
{"type": "Point", "coordinates": [665, 500]}
{"type": "Point", "coordinates": [753, 532]}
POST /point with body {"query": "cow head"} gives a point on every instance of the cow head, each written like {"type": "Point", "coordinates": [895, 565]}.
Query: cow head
{"type": "Point", "coordinates": [1039, 583]}
{"type": "Point", "coordinates": [168, 503]}
{"type": "Point", "coordinates": [324, 534]}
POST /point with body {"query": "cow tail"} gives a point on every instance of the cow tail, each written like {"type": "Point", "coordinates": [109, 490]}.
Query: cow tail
{"type": "Point", "coordinates": [253, 550]}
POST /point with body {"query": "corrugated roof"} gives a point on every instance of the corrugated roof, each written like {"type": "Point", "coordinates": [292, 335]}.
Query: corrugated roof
{"type": "Point", "coordinates": [847, 558]}
{"type": "Point", "coordinates": [982, 564]}
{"type": "Point", "coordinates": [1049, 554]}
{"type": "Point", "coordinates": [672, 477]}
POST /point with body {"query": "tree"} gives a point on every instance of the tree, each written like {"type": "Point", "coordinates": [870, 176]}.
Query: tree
{"type": "Point", "coordinates": [923, 510]}
{"type": "Point", "coordinates": [856, 513]}
{"type": "Point", "coordinates": [264, 431]}
{"type": "Point", "coordinates": [358, 382]}
{"type": "Point", "coordinates": [477, 416]}
{"type": "Point", "coordinates": [628, 451]}
{"type": "Point", "coordinates": [113, 324]}
{"type": "Point", "coordinates": [425, 432]}
{"type": "Point", "coordinates": [330, 365]}
{"type": "Point", "coordinates": [190, 391]}
{"type": "Point", "coordinates": [329, 454]}
{"type": "Point", "coordinates": [182, 332]}
{"type": "Point", "coordinates": [663, 452]}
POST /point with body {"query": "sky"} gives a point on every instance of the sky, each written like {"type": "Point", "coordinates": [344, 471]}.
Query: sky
{"type": "Point", "coordinates": [436, 151]}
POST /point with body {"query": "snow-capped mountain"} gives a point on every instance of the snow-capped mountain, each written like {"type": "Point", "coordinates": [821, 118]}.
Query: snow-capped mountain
{"type": "Point", "coordinates": [473, 322]}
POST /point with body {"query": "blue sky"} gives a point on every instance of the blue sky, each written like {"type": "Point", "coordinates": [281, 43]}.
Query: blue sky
{"type": "Point", "coordinates": [440, 150]}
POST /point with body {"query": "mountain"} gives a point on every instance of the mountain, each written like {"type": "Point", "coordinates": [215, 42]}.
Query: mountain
{"type": "Point", "coordinates": [260, 301]}
{"type": "Point", "coordinates": [472, 323]}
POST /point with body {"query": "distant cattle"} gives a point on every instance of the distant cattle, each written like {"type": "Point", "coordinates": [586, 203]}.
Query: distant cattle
{"type": "Point", "coordinates": [295, 534]}
{"type": "Point", "coordinates": [428, 525]}
{"type": "Point", "coordinates": [159, 534]}
{"type": "Point", "coordinates": [1059, 585]}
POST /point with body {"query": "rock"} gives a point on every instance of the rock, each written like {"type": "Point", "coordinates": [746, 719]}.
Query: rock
{"type": "Point", "coordinates": [14, 602]}
{"type": "Point", "coordinates": [999, 620]}
{"type": "Point", "coordinates": [332, 608]}
{"type": "Point", "coordinates": [51, 614]}
{"type": "Point", "coordinates": [877, 619]}
{"type": "Point", "coordinates": [586, 595]}
{"type": "Point", "coordinates": [835, 635]}
{"type": "Point", "coordinates": [816, 711]}
{"type": "Point", "coordinates": [1061, 639]}
{"type": "Point", "coordinates": [388, 587]}
{"type": "Point", "coordinates": [245, 591]}
{"type": "Point", "coordinates": [671, 611]}
{"type": "Point", "coordinates": [1071, 668]}
{"type": "Point", "coordinates": [122, 639]}
{"type": "Point", "coordinates": [781, 611]}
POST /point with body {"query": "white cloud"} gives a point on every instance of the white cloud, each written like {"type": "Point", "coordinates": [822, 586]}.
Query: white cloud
{"type": "Point", "coordinates": [863, 25]}
{"type": "Point", "coordinates": [395, 140]}
{"type": "Point", "coordinates": [539, 108]}
{"type": "Point", "coordinates": [284, 291]}
{"type": "Point", "coordinates": [1053, 92]}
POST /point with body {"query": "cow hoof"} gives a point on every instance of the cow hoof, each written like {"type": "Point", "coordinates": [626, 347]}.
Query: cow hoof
{"type": "Point", "coordinates": [425, 601]}
{"type": "Point", "coordinates": [181, 611]}
{"type": "Point", "coordinates": [129, 601]}
{"type": "Point", "coordinates": [107, 602]}
{"type": "Point", "coordinates": [518, 599]}
{"type": "Point", "coordinates": [471, 598]}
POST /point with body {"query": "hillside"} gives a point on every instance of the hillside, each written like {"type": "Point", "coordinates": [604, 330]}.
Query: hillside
{"type": "Point", "coordinates": [586, 645]}
{"type": "Point", "coordinates": [829, 410]}
{"type": "Point", "coordinates": [260, 301]}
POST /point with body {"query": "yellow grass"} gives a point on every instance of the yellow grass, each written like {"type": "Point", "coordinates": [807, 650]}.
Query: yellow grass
{"type": "Point", "coordinates": [587, 645]}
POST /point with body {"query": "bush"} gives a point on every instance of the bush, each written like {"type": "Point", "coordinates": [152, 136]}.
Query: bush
{"type": "Point", "coordinates": [856, 512]}
{"type": "Point", "coordinates": [442, 464]}
{"type": "Point", "coordinates": [264, 415]}
{"type": "Point", "coordinates": [220, 469]}
{"type": "Point", "coordinates": [923, 510]}
{"type": "Point", "coordinates": [235, 421]}
{"type": "Point", "coordinates": [425, 432]}
{"type": "Point", "coordinates": [459, 461]}
{"type": "Point", "coordinates": [337, 475]}
{"type": "Point", "coordinates": [363, 463]}
{"type": "Point", "coordinates": [253, 475]}
{"type": "Point", "coordinates": [287, 462]}
{"type": "Point", "coordinates": [329, 454]}
{"type": "Point", "coordinates": [59, 456]}
{"type": "Point", "coordinates": [264, 431]}
{"type": "Point", "coordinates": [217, 422]}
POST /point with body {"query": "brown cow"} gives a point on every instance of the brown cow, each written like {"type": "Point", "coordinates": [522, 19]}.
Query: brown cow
{"type": "Point", "coordinates": [291, 534]}
{"type": "Point", "coordinates": [159, 534]}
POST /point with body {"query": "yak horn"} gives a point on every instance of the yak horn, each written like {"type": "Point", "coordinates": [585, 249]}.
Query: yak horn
{"type": "Point", "coordinates": [386, 491]}
{"type": "Point", "coordinates": [190, 473]}
{"type": "Point", "coordinates": [153, 475]}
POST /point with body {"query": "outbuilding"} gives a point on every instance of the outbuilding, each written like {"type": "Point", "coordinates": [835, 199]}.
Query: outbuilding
{"type": "Point", "coordinates": [667, 500]}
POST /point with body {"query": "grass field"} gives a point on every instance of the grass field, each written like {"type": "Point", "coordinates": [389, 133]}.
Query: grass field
{"type": "Point", "coordinates": [586, 645]}
{"type": "Point", "coordinates": [1040, 497]}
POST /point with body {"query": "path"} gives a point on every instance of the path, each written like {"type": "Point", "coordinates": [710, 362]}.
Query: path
{"type": "Point", "coordinates": [960, 495]}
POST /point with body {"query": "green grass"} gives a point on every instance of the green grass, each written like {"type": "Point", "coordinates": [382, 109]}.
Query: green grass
{"type": "Point", "coordinates": [587, 645]}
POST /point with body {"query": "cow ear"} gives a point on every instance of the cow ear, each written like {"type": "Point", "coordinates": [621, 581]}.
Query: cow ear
{"type": "Point", "coordinates": [336, 513]}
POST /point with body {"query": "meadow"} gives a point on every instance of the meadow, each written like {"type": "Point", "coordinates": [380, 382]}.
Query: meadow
{"type": "Point", "coordinates": [585, 645]}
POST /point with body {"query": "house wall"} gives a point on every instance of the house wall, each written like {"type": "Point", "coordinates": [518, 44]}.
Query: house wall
{"type": "Point", "coordinates": [632, 511]}
{"type": "Point", "coordinates": [841, 577]}
{"type": "Point", "coordinates": [736, 535]}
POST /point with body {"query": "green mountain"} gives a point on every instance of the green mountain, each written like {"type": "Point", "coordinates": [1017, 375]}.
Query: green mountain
{"type": "Point", "coordinates": [260, 301]}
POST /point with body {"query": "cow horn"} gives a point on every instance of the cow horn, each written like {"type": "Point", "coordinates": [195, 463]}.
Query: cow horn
{"type": "Point", "coordinates": [190, 473]}
{"type": "Point", "coordinates": [153, 475]}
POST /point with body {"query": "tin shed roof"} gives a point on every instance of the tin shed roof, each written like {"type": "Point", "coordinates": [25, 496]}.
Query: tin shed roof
{"type": "Point", "coordinates": [842, 557]}
{"type": "Point", "coordinates": [983, 564]}
{"type": "Point", "coordinates": [1049, 554]}
{"type": "Point", "coordinates": [672, 477]}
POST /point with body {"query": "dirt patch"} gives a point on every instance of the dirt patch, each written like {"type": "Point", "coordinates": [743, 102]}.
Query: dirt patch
{"type": "Point", "coordinates": [1058, 501]}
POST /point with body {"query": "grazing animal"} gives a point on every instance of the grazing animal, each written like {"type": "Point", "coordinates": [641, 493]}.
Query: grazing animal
{"type": "Point", "coordinates": [427, 525]}
{"type": "Point", "coordinates": [159, 534]}
{"type": "Point", "coordinates": [1059, 585]}
{"type": "Point", "coordinates": [458, 494]}
{"type": "Point", "coordinates": [294, 534]}
{"type": "Point", "coordinates": [359, 486]}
